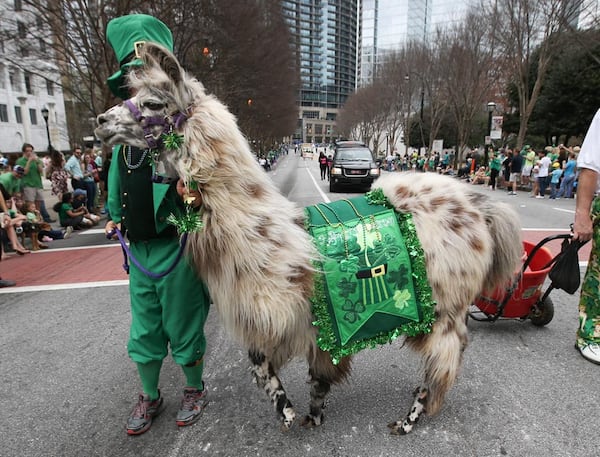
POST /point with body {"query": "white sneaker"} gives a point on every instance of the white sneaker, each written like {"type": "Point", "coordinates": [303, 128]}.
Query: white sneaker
{"type": "Point", "coordinates": [68, 232]}
{"type": "Point", "coordinates": [590, 352]}
{"type": "Point", "coordinates": [539, 196]}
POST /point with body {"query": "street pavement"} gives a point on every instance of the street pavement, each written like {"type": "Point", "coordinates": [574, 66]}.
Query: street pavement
{"type": "Point", "coordinates": [68, 385]}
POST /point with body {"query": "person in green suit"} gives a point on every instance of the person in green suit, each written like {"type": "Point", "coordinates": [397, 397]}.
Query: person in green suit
{"type": "Point", "coordinates": [171, 310]}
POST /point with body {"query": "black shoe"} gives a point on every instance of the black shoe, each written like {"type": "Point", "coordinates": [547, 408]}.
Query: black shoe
{"type": "Point", "coordinates": [49, 220]}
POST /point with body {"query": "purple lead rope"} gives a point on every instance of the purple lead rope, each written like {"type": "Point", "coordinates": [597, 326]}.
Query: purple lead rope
{"type": "Point", "coordinates": [128, 255]}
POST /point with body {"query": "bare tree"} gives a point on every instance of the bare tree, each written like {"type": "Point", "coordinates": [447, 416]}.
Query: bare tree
{"type": "Point", "coordinates": [468, 57]}
{"type": "Point", "coordinates": [220, 42]}
{"type": "Point", "coordinates": [521, 27]}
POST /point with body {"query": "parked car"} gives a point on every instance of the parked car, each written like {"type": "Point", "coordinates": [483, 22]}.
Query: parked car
{"type": "Point", "coordinates": [353, 166]}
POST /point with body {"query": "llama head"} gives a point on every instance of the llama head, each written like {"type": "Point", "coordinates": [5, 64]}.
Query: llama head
{"type": "Point", "coordinates": [158, 105]}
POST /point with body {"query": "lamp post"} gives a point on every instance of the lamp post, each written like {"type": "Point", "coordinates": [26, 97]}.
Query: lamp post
{"type": "Point", "coordinates": [45, 116]}
{"type": "Point", "coordinates": [491, 106]}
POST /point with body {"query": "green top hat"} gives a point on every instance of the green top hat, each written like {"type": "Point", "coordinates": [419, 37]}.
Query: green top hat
{"type": "Point", "coordinates": [126, 34]}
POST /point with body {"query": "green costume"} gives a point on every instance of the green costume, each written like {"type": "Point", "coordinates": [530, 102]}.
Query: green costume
{"type": "Point", "coordinates": [589, 306]}
{"type": "Point", "coordinates": [169, 311]}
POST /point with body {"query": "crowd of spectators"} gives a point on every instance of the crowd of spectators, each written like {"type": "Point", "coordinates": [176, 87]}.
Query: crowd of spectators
{"type": "Point", "coordinates": [24, 219]}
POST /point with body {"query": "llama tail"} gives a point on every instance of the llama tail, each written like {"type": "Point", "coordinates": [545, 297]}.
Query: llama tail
{"type": "Point", "coordinates": [505, 230]}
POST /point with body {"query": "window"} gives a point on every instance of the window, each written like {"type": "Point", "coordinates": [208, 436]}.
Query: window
{"type": "Point", "coordinates": [3, 113]}
{"type": "Point", "coordinates": [33, 116]}
{"type": "Point", "coordinates": [22, 31]}
{"type": "Point", "coordinates": [28, 86]}
{"type": "Point", "coordinates": [14, 80]}
{"type": "Point", "coordinates": [49, 87]}
{"type": "Point", "coordinates": [42, 45]}
{"type": "Point", "coordinates": [18, 115]}
{"type": "Point", "coordinates": [2, 79]}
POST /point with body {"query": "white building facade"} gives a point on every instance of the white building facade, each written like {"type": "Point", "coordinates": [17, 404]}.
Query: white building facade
{"type": "Point", "coordinates": [29, 84]}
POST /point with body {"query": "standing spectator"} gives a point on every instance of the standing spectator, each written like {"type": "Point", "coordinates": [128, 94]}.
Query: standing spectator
{"type": "Point", "coordinates": [516, 164]}
{"type": "Point", "coordinates": [495, 167]}
{"type": "Point", "coordinates": [544, 164]}
{"type": "Point", "coordinates": [59, 177]}
{"type": "Point", "coordinates": [506, 168]}
{"type": "Point", "coordinates": [555, 179]}
{"type": "Point", "coordinates": [569, 173]}
{"type": "Point", "coordinates": [89, 181]}
{"type": "Point", "coordinates": [170, 311]}
{"type": "Point", "coordinates": [323, 165]}
{"type": "Point", "coordinates": [528, 165]}
{"type": "Point", "coordinates": [32, 180]}
{"type": "Point", "coordinates": [329, 165]}
{"type": "Point", "coordinates": [586, 227]}
{"type": "Point", "coordinates": [75, 170]}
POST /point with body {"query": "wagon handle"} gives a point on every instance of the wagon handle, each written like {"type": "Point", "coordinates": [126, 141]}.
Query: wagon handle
{"type": "Point", "coordinates": [538, 246]}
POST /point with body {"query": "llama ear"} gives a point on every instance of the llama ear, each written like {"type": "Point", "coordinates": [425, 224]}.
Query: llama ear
{"type": "Point", "coordinates": [163, 58]}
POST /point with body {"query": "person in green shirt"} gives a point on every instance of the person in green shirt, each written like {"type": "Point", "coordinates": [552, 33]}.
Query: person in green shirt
{"type": "Point", "coordinates": [32, 180]}
{"type": "Point", "coordinates": [10, 182]}
{"type": "Point", "coordinates": [495, 167]}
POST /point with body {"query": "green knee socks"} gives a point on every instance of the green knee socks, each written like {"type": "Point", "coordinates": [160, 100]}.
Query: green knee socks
{"type": "Point", "coordinates": [193, 375]}
{"type": "Point", "coordinates": [149, 374]}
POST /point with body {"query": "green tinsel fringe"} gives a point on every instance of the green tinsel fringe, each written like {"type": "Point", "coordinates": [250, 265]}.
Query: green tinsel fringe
{"type": "Point", "coordinates": [326, 338]}
{"type": "Point", "coordinates": [187, 222]}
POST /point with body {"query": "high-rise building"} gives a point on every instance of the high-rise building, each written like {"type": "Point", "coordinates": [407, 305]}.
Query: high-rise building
{"type": "Point", "coordinates": [387, 25]}
{"type": "Point", "coordinates": [29, 86]}
{"type": "Point", "coordinates": [324, 40]}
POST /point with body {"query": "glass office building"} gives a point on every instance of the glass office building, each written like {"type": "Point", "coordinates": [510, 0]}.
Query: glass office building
{"type": "Point", "coordinates": [324, 40]}
{"type": "Point", "coordinates": [387, 25]}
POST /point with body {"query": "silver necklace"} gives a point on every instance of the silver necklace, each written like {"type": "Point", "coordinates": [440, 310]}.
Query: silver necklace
{"type": "Point", "coordinates": [128, 159]}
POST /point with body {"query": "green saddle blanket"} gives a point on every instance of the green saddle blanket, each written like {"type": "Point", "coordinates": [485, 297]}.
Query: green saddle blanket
{"type": "Point", "coordinates": [372, 285]}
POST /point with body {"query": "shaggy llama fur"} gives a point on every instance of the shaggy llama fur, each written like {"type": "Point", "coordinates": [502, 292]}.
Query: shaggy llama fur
{"type": "Point", "coordinates": [256, 258]}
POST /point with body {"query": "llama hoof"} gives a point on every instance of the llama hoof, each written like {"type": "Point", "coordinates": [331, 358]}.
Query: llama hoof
{"type": "Point", "coordinates": [311, 421]}
{"type": "Point", "coordinates": [397, 429]}
{"type": "Point", "coordinates": [285, 426]}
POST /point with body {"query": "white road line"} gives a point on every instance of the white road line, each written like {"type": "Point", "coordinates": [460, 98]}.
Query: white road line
{"type": "Point", "coordinates": [323, 196]}
{"type": "Point", "coordinates": [570, 211]}
{"type": "Point", "coordinates": [79, 285]}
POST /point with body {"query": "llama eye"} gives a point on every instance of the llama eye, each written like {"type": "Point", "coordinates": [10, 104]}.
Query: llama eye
{"type": "Point", "coordinates": [154, 106]}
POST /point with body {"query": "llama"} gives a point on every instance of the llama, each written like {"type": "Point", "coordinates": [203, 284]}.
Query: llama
{"type": "Point", "coordinates": [256, 257]}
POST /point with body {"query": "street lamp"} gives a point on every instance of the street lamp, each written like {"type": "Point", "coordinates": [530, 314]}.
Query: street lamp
{"type": "Point", "coordinates": [45, 116]}
{"type": "Point", "coordinates": [491, 106]}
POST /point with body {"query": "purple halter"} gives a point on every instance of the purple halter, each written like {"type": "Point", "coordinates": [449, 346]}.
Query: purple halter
{"type": "Point", "coordinates": [166, 122]}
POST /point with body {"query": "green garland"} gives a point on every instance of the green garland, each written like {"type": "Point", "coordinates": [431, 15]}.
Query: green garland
{"type": "Point", "coordinates": [188, 222]}
{"type": "Point", "coordinates": [326, 338]}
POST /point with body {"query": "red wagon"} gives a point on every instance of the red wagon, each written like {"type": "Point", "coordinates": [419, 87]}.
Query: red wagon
{"type": "Point", "coordinates": [523, 297]}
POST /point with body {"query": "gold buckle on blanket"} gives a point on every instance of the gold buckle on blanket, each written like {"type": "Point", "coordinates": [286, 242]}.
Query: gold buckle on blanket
{"type": "Point", "coordinates": [377, 271]}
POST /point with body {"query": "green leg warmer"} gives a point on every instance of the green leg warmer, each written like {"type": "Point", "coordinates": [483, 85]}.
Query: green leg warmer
{"type": "Point", "coordinates": [149, 374]}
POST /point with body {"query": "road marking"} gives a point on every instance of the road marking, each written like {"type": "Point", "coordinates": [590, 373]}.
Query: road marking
{"type": "Point", "coordinates": [80, 285]}
{"type": "Point", "coordinates": [323, 196]}
{"type": "Point", "coordinates": [571, 211]}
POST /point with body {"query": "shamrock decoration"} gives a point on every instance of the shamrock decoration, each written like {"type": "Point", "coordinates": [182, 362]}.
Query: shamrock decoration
{"type": "Point", "coordinates": [353, 311]}
{"type": "Point", "coordinates": [401, 298]}
{"type": "Point", "coordinates": [346, 287]}
{"type": "Point", "coordinates": [172, 140]}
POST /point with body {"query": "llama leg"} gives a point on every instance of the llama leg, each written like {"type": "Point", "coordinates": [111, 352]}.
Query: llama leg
{"type": "Point", "coordinates": [267, 379]}
{"type": "Point", "coordinates": [323, 373]}
{"type": "Point", "coordinates": [442, 350]}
